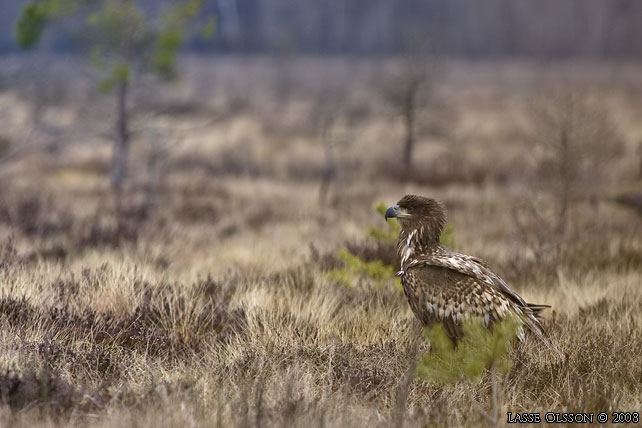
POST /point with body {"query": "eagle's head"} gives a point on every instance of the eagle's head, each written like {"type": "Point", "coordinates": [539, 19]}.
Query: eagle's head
{"type": "Point", "coordinates": [419, 213]}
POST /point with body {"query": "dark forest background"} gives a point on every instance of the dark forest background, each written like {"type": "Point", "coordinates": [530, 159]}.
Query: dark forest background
{"type": "Point", "coordinates": [467, 28]}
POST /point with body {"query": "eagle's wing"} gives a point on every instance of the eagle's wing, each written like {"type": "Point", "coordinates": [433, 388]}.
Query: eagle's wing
{"type": "Point", "coordinates": [444, 295]}
{"type": "Point", "coordinates": [471, 266]}
{"type": "Point", "coordinates": [476, 285]}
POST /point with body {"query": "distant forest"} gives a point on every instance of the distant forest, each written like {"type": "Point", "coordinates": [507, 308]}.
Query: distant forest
{"type": "Point", "coordinates": [467, 28]}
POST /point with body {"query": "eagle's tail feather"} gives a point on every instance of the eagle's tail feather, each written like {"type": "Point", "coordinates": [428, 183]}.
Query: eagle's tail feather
{"type": "Point", "coordinates": [536, 309]}
{"type": "Point", "coordinates": [532, 318]}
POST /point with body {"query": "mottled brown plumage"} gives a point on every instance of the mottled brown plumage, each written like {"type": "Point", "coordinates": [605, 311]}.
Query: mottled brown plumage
{"type": "Point", "coordinates": [447, 287]}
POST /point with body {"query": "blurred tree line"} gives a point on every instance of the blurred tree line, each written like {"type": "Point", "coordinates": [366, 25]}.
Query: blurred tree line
{"type": "Point", "coordinates": [471, 28]}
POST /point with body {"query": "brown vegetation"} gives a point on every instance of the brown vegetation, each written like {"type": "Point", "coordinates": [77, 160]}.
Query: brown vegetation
{"type": "Point", "coordinates": [212, 306]}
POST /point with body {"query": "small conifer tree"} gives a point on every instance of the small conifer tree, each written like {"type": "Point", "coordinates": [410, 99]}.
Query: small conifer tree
{"type": "Point", "coordinates": [124, 39]}
{"type": "Point", "coordinates": [376, 270]}
{"type": "Point", "coordinates": [480, 351]}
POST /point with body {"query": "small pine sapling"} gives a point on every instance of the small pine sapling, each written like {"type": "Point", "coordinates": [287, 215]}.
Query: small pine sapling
{"type": "Point", "coordinates": [124, 40]}
{"type": "Point", "coordinates": [480, 351]}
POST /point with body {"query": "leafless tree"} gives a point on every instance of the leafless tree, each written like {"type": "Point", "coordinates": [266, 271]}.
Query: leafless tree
{"type": "Point", "coordinates": [328, 114]}
{"type": "Point", "coordinates": [573, 137]}
{"type": "Point", "coordinates": [407, 88]}
{"type": "Point", "coordinates": [44, 84]}
{"type": "Point", "coordinates": [284, 52]}
{"type": "Point", "coordinates": [640, 152]}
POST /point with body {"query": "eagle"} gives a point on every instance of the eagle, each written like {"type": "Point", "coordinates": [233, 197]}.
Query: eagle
{"type": "Point", "coordinates": [446, 287]}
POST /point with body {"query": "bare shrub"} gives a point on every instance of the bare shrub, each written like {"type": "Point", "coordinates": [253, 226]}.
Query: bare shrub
{"type": "Point", "coordinates": [573, 140]}
{"type": "Point", "coordinates": [407, 86]}
{"type": "Point", "coordinates": [33, 213]}
{"type": "Point", "coordinates": [284, 51]}
{"type": "Point", "coordinates": [44, 388]}
{"type": "Point", "coordinates": [328, 114]}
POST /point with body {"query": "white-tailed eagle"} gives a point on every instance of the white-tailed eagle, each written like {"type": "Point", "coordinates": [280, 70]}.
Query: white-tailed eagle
{"type": "Point", "coordinates": [446, 287]}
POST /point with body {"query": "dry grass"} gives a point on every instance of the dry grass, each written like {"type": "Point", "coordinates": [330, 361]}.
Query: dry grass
{"type": "Point", "coordinates": [213, 307]}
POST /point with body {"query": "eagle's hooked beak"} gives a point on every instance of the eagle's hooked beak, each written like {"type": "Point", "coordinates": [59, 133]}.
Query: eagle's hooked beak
{"type": "Point", "coordinates": [392, 212]}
